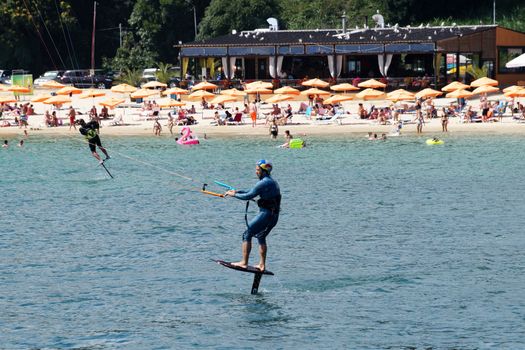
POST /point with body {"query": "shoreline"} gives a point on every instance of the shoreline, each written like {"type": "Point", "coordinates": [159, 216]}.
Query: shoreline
{"type": "Point", "coordinates": [136, 125]}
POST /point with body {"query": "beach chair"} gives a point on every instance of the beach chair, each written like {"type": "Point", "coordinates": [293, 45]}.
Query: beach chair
{"type": "Point", "coordinates": [118, 120]}
{"type": "Point", "coordinates": [237, 120]}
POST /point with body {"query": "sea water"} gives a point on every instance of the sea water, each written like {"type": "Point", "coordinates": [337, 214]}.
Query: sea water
{"type": "Point", "coordinates": [380, 245]}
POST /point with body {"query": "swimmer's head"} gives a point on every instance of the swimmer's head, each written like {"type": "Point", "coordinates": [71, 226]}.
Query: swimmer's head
{"type": "Point", "coordinates": [265, 168]}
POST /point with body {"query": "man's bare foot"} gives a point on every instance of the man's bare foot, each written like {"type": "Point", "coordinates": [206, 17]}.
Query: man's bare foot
{"type": "Point", "coordinates": [260, 267]}
{"type": "Point", "coordinates": [240, 264]}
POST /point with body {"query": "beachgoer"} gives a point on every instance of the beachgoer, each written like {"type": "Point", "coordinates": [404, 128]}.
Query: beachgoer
{"type": "Point", "coordinates": [383, 136]}
{"type": "Point", "coordinates": [274, 129]}
{"type": "Point", "coordinates": [444, 121]}
{"type": "Point", "coordinates": [72, 118]}
{"type": "Point", "coordinates": [171, 122]}
{"type": "Point", "coordinates": [288, 137]}
{"type": "Point", "coordinates": [21, 143]}
{"type": "Point", "coordinates": [269, 205]}
{"type": "Point", "coordinates": [253, 113]}
{"type": "Point", "coordinates": [157, 128]}
{"type": "Point", "coordinates": [90, 131]}
{"type": "Point", "coordinates": [6, 144]}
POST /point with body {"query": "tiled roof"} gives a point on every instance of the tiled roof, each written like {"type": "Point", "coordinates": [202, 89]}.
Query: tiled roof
{"type": "Point", "coordinates": [336, 36]}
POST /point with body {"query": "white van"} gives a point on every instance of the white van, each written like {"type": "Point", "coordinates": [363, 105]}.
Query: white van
{"type": "Point", "coordinates": [149, 74]}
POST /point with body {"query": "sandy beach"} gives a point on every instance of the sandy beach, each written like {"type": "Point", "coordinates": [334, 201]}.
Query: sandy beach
{"type": "Point", "coordinates": [135, 123]}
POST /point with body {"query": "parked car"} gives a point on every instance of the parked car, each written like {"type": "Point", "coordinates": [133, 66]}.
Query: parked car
{"type": "Point", "coordinates": [5, 76]}
{"type": "Point", "coordinates": [47, 76]}
{"type": "Point", "coordinates": [149, 74]}
{"type": "Point", "coordinates": [82, 78]}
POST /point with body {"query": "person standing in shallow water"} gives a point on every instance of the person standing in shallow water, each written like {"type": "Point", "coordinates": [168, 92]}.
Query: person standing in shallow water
{"type": "Point", "coordinates": [269, 205]}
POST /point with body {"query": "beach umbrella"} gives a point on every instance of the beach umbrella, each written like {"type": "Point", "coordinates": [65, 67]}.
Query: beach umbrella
{"type": "Point", "coordinates": [111, 102]}
{"type": "Point", "coordinates": [18, 88]}
{"type": "Point", "coordinates": [197, 95]}
{"type": "Point", "coordinates": [123, 88]}
{"type": "Point", "coordinates": [515, 93]}
{"type": "Point", "coordinates": [344, 87]}
{"type": "Point", "coordinates": [52, 84]}
{"type": "Point", "coordinates": [4, 87]}
{"type": "Point", "coordinates": [459, 94]}
{"type": "Point", "coordinates": [456, 85]}
{"type": "Point", "coordinates": [512, 88]}
{"type": "Point", "coordinates": [6, 99]}
{"type": "Point", "coordinates": [484, 81]}
{"type": "Point", "coordinates": [400, 95]}
{"type": "Point", "coordinates": [372, 84]}
{"type": "Point", "coordinates": [485, 89]}
{"type": "Point", "coordinates": [154, 85]}
{"type": "Point", "coordinates": [175, 91]}
{"type": "Point", "coordinates": [337, 99]}
{"type": "Point", "coordinates": [259, 84]}
{"type": "Point", "coordinates": [516, 62]}
{"type": "Point", "coordinates": [41, 98]}
{"type": "Point", "coordinates": [204, 85]}
{"type": "Point", "coordinates": [286, 90]}
{"type": "Point", "coordinates": [141, 93]}
{"type": "Point", "coordinates": [233, 92]}
{"type": "Point", "coordinates": [57, 100]}
{"type": "Point", "coordinates": [91, 93]}
{"type": "Point", "coordinates": [169, 102]}
{"type": "Point", "coordinates": [279, 98]}
{"type": "Point", "coordinates": [68, 90]}
{"type": "Point", "coordinates": [318, 83]}
{"type": "Point", "coordinates": [259, 90]}
{"type": "Point", "coordinates": [370, 94]}
{"type": "Point", "coordinates": [223, 98]}
{"type": "Point", "coordinates": [428, 92]}
{"type": "Point", "coordinates": [315, 91]}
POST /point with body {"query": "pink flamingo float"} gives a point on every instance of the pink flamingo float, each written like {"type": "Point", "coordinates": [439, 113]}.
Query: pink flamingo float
{"type": "Point", "coordinates": [187, 138]}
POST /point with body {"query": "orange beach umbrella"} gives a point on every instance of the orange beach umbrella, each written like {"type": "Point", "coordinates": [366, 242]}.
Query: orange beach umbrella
{"type": "Point", "coordinates": [372, 84]}
{"type": "Point", "coordinates": [197, 95]}
{"type": "Point", "coordinates": [485, 89]}
{"type": "Point", "coordinates": [169, 102]}
{"type": "Point", "coordinates": [279, 98]}
{"type": "Point", "coordinates": [428, 92]}
{"type": "Point", "coordinates": [204, 85]}
{"type": "Point", "coordinates": [259, 84]}
{"type": "Point", "coordinates": [344, 87]}
{"type": "Point", "coordinates": [233, 92]}
{"type": "Point", "coordinates": [57, 100]}
{"type": "Point", "coordinates": [315, 83]}
{"type": "Point", "coordinates": [6, 99]}
{"type": "Point", "coordinates": [123, 88]}
{"type": "Point", "coordinates": [459, 94]}
{"type": "Point", "coordinates": [68, 90]}
{"type": "Point", "coordinates": [315, 91]}
{"type": "Point", "coordinates": [175, 91]}
{"type": "Point", "coordinates": [286, 90]}
{"type": "Point", "coordinates": [370, 94]}
{"type": "Point", "coordinates": [141, 93]}
{"type": "Point", "coordinates": [337, 99]}
{"type": "Point", "coordinates": [455, 85]}
{"type": "Point", "coordinates": [41, 98]}
{"type": "Point", "coordinates": [52, 84]}
{"type": "Point", "coordinates": [484, 81]}
{"type": "Point", "coordinates": [153, 84]}
{"type": "Point", "coordinates": [111, 102]}
{"type": "Point", "coordinates": [91, 93]}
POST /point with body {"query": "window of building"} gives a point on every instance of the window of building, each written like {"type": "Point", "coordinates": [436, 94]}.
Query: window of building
{"type": "Point", "coordinates": [505, 54]}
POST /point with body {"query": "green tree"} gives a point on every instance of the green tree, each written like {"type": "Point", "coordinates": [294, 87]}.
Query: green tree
{"type": "Point", "coordinates": [224, 15]}
{"type": "Point", "coordinates": [164, 74]}
{"type": "Point", "coordinates": [131, 76]}
{"type": "Point", "coordinates": [131, 56]}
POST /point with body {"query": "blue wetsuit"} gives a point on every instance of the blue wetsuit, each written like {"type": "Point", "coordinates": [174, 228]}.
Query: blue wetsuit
{"type": "Point", "coordinates": [269, 204]}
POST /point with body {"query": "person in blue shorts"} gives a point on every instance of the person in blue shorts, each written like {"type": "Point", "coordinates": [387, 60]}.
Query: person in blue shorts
{"type": "Point", "coordinates": [269, 205]}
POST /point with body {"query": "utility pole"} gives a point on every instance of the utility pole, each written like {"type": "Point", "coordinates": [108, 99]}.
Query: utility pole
{"type": "Point", "coordinates": [93, 38]}
{"type": "Point", "coordinates": [494, 12]}
{"type": "Point", "coordinates": [120, 33]}
{"type": "Point", "coordinates": [195, 20]}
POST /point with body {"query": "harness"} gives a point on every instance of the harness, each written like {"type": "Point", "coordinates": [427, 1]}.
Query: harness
{"type": "Point", "coordinates": [272, 204]}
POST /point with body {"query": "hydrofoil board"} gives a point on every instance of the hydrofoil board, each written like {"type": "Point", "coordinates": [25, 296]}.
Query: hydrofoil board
{"type": "Point", "coordinates": [250, 269]}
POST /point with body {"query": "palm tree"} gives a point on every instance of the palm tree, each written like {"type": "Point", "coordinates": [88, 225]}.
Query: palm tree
{"type": "Point", "coordinates": [164, 73]}
{"type": "Point", "coordinates": [131, 76]}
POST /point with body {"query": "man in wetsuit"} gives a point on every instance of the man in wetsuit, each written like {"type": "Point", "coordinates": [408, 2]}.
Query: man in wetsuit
{"type": "Point", "coordinates": [269, 205]}
{"type": "Point", "coordinates": [90, 131]}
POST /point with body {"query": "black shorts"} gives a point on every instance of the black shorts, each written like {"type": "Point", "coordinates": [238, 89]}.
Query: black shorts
{"type": "Point", "coordinates": [273, 133]}
{"type": "Point", "coordinates": [93, 143]}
